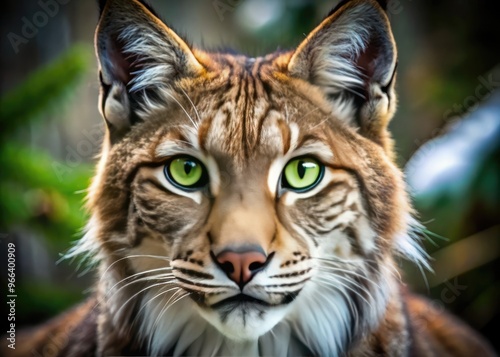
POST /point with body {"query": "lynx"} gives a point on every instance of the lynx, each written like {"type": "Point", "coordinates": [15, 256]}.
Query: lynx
{"type": "Point", "coordinates": [249, 206]}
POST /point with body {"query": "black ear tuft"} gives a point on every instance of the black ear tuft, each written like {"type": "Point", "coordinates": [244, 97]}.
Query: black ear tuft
{"type": "Point", "coordinates": [150, 9]}
{"type": "Point", "coordinates": [102, 4]}
{"type": "Point", "coordinates": [335, 9]}
{"type": "Point", "coordinates": [382, 3]}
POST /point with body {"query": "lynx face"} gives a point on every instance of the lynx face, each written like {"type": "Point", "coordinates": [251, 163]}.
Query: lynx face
{"type": "Point", "coordinates": [250, 224]}
{"type": "Point", "coordinates": [239, 199]}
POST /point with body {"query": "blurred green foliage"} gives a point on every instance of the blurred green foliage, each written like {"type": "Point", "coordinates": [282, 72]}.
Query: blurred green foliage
{"type": "Point", "coordinates": [34, 197]}
{"type": "Point", "coordinates": [32, 194]}
{"type": "Point", "coordinates": [44, 91]}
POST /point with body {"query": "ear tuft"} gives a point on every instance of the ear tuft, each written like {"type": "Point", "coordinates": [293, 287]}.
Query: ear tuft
{"type": "Point", "coordinates": [382, 4]}
{"type": "Point", "coordinates": [102, 5]}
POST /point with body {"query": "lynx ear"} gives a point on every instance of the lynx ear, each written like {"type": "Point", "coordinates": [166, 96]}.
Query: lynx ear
{"type": "Point", "coordinates": [140, 59]}
{"type": "Point", "coordinates": [351, 56]}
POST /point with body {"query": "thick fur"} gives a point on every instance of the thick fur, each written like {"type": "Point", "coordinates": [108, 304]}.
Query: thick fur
{"type": "Point", "coordinates": [330, 286]}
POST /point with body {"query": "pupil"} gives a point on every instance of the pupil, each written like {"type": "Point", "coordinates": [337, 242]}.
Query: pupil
{"type": "Point", "coordinates": [188, 166]}
{"type": "Point", "coordinates": [301, 169]}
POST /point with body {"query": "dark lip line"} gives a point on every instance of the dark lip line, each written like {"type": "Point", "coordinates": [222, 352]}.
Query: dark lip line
{"type": "Point", "coordinates": [240, 298]}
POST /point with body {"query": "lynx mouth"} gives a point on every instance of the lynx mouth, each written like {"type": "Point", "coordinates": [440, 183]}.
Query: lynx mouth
{"type": "Point", "coordinates": [239, 300]}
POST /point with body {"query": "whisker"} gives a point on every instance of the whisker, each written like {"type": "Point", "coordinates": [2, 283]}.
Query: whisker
{"type": "Point", "coordinates": [339, 314]}
{"type": "Point", "coordinates": [155, 278]}
{"type": "Point", "coordinates": [136, 256]}
{"type": "Point", "coordinates": [166, 307]}
{"type": "Point", "coordinates": [352, 282]}
{"type": "Point", "coordinates": [391, 269]}
{"type": "Point", "coordinates": [182, 107]}
{"type": "Point", "coordinates": [162, 292]}
{"type": "Point", "coordinates": [353, 308]}
{"type": "Point", "coordinates": [141, 291]}
{"type": "Point", "coordinates": [110, 295]}
{"type": "Point", "coordinates": [310, 112]}
{"type": "Point", "coordinates": [331, 284]}
{"type": "Point", "coordinates": [194, 107]}
{"type": "Point", "coordinates": [331, 269]}
{"type": "Point", "coordinates": [183, 142]}
{"type": "Point", "coordinates": [139, 273]}
{"type": "Point", "coordinates": [320, 123]}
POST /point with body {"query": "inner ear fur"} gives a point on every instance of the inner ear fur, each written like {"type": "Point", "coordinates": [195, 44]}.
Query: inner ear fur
{"type": "Point", "coordinates": [140, 59]}
{"type": "Point", "coordinates": [351, 56]}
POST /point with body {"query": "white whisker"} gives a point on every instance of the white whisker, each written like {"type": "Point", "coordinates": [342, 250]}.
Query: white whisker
{"type": "Point", "coordinates": [183, 109]}
{"type": "Point", "coordinates": [140, 273]}
{"type": "Point", "coordinates": [332, 284]}
{"type": "Point", "coordinates": [194, 107]}
{"type": "Point", "coordinates": [156, 278]}
{"type": "Point", "coordinates": [162, 292]}
{"type": "Point", "coordinates": [166, 307]}
{"type": "Point", "coordinates": [141, 291]}
{"type": "Point", "coordinates": [135, 256]}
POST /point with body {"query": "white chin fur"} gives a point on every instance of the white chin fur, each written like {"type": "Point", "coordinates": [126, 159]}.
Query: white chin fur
{"type": "Point", "coordinates": [243, 324]}
{"type": "Point", "coordinates": [316, 323]}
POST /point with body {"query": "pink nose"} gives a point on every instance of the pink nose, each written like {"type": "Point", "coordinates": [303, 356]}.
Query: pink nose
{"type": "Point", "coordinates": [241, 267]}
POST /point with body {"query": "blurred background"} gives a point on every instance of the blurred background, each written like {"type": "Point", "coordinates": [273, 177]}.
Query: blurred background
{"type": "Point", "coordinates": [447, 131]}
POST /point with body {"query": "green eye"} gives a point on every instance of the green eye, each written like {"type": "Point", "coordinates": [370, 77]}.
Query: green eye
{"type": "Point", "coordinates": [186, 172]}
{"type": "Point", "coordinates": [302, 174]}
